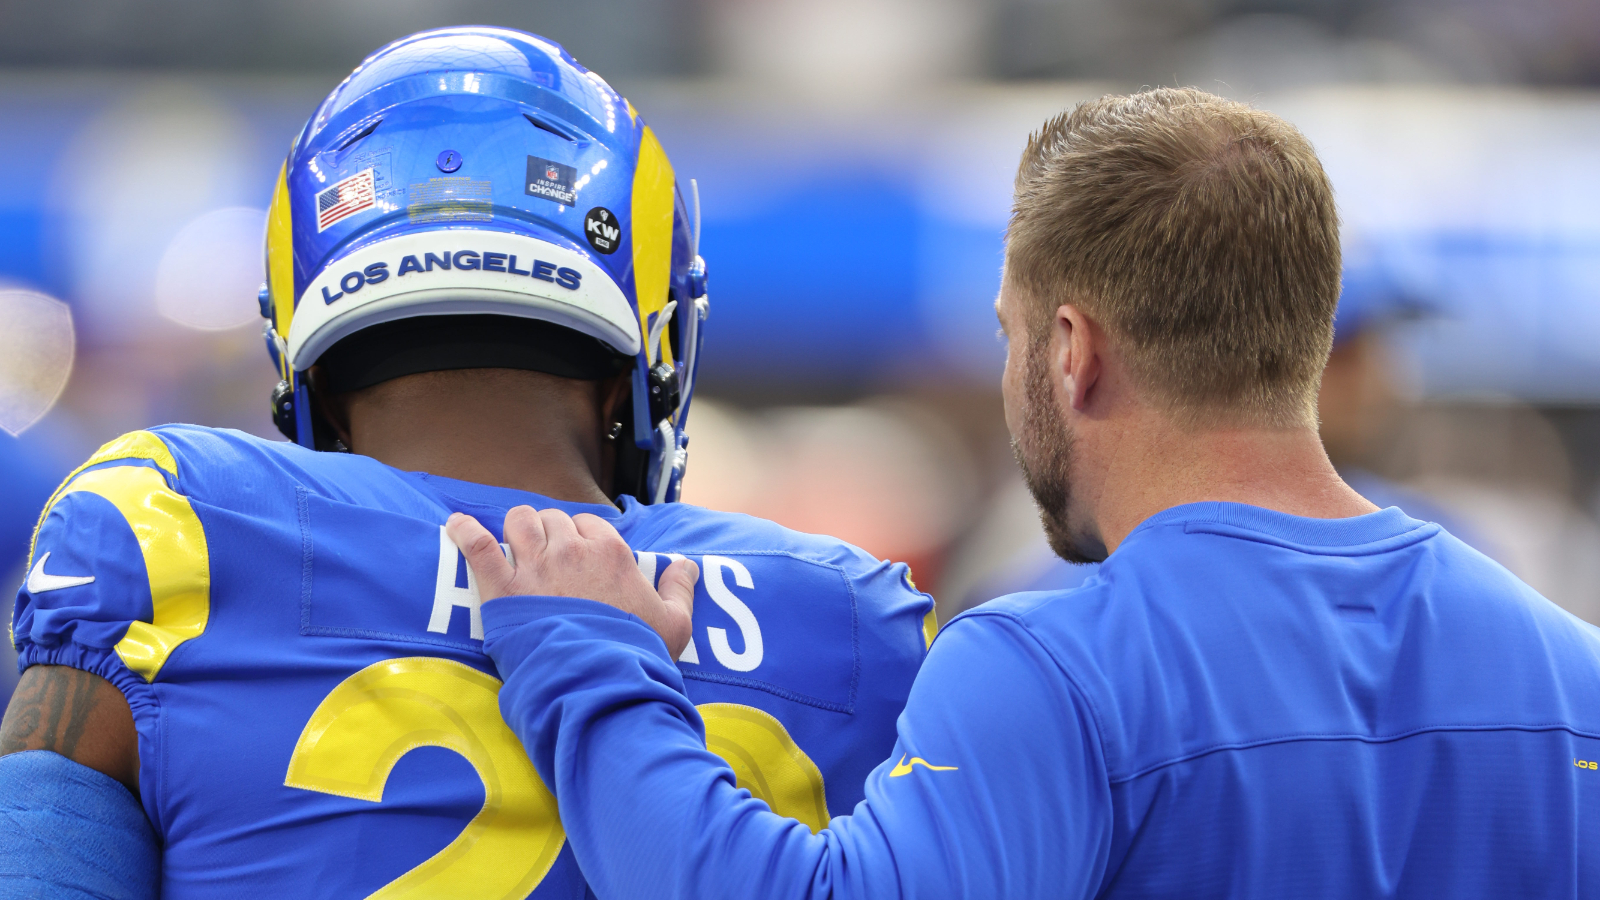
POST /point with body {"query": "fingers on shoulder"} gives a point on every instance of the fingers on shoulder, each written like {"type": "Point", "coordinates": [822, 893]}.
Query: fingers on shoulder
{"type": "Point", "coordinates": [601, 534]}
{"type": "Point", "coordinates": [558, 527]}
{"type": "Point", "coordinates": [525, 528]}
{"type": "Point", "coordinates": [475, 541]}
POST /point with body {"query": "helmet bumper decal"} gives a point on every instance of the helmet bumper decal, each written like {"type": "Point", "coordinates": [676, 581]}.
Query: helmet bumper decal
{"type": "Point", "coordinates": [453, 272]}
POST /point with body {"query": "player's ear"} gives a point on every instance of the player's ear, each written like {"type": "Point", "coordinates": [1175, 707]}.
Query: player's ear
{"type": "Point", "coordinates": [614, 393]}
{"type": "Point", "coordinates": [335, 408]}
{"type": "Point", "coordinates": [613, 396]}
{"type": "Point", "coordinates": [1080, 347]}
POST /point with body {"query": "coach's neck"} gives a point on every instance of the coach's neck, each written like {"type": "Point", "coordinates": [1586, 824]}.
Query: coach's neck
{"type": "Point", "coordinates": [1153, 464]}
{"type": "Point", "coordinates": [1133, 456]}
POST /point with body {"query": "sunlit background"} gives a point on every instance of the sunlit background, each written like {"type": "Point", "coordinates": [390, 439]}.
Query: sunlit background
{"type": "Point", "coordinates": [855, 159]}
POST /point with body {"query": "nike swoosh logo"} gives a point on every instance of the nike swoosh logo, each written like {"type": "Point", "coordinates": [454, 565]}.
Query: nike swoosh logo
{"type": "Point", "coordinates": [902, 767]}
{"type": "Point", "coordinates": [40, 581]}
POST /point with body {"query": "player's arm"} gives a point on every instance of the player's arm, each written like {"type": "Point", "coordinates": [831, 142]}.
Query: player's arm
{"type": "Point", "coordinates": [996, 786]}
{"type": "Point", "coordinates": [118, 579]}
{"type": "Point", "coordinates": [75, 714]}
{"type": "Point", "coordinates": [70, 822]}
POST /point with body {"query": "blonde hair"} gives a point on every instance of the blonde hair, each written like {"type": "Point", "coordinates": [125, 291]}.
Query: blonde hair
{"type": "Point", "coordinates": [1201, 233]}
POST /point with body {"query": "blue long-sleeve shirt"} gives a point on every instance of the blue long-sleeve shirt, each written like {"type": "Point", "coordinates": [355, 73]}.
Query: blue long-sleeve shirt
{"type": "Point", "coordinates": [1240, 704]}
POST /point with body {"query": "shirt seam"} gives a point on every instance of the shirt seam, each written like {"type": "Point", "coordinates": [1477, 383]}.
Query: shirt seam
{"type": "Point", "coordinates": [1214, 518]}
{"type": "Point", "coordinates": [1351, 736]}
{"type": "Point", "coordinates": [1378, 547]}
{"type": "Point", "coordinates": [433, 483]}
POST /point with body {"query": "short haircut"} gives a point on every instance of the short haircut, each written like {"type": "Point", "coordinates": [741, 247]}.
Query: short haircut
{"type": "Point", "coordinates": [1201, 233]}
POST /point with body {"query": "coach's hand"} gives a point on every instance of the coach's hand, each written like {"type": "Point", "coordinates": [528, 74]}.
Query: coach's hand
{"type": "Point", "coordinates": [558, 555]}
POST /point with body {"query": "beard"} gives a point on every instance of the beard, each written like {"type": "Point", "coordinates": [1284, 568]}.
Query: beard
{"type": "Point", "coordinates": [1044, 453]}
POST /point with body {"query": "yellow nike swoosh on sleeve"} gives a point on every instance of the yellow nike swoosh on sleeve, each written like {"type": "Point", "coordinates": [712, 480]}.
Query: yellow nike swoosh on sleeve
{"type": "Point", "coordinates": [902, 767]}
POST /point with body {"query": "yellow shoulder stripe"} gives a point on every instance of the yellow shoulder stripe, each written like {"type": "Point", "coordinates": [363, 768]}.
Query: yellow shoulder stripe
{"type": "Point", "coordinates": [133, 445]}
{"type": "Point", "coordinates": [767, 761]}
{"type": "Point", "coordinates": [171, 539]}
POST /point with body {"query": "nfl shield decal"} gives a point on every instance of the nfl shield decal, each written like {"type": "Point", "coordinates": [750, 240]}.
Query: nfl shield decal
{"type": "Point", "coordinates": [345, 198]}
{"type": "Point", "coordinates": [552, 181]}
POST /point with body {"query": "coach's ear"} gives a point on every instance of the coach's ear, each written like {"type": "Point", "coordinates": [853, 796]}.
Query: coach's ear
{"type": "Point", "coordinates": [1079, 345]}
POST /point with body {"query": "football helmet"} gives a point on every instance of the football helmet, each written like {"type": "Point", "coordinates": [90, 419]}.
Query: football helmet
{"type": "Point", "coordinates": [478, 173]}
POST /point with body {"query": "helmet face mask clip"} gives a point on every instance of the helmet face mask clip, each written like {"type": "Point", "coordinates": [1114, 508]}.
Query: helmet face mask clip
{"type": "Point", "coordinates": [468, 173]}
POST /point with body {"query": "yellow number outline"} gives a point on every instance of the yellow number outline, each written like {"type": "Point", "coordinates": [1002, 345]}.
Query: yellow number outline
{"type": "Point", "coordinates": [361, 729]}
{"type": "Point", "coordinates": [766, 761]}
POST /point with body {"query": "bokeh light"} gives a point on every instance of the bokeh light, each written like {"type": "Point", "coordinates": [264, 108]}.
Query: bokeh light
{"type": "Point", "coordinates": [212, 270]}
{"type": "Point", "coordinates": [36, 350]}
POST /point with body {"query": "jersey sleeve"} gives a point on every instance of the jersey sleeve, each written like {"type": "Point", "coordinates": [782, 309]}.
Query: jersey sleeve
{"type": "Point", "coordinates": [997, 785]}
{"type": "Point", "coordinates": [119, 576]}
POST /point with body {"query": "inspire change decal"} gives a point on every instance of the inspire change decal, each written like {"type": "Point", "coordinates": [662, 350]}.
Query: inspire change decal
{"type": "Point", "coordinates": [552, 181]}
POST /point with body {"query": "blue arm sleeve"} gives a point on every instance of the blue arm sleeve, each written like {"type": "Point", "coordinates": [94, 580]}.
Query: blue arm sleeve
{"type": "Point", "coordinates": [70, 832]}
{"type": "Point", "coordinates": [997, 786]}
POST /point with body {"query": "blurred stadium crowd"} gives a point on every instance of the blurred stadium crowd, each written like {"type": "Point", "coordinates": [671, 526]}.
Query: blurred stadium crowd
{"type": "Point", "coordinates": [855, 160]}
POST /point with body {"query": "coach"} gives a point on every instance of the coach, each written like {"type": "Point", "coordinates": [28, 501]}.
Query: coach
{"type": "Point", "coordinates": [1271, 689]}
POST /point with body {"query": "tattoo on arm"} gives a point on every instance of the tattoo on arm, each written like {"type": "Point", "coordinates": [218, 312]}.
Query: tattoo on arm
{"type": "Point", "coordinates": [76, 714]}
{"type": "Point", "coordinates": [49, 712]}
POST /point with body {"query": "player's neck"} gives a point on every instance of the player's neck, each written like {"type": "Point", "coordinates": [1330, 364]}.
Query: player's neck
{"type": "Point", "coordinates": [499, 427]}
{"type": "Point", "coordinates": [1282, 469]}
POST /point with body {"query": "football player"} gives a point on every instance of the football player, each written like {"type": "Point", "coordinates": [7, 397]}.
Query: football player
{"type": "Point", "coordinates": [257, 667]}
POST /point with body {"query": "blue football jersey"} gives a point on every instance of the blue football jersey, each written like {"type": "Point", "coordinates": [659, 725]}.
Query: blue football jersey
{"type": "Point", "coordinates": [301, 647]}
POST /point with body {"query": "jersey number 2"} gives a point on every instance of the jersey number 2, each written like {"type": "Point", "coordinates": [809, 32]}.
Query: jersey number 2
{"type": "Point", "coordinates": [361, 729]}
{"type": "Point", "coordinates": [374, 717]}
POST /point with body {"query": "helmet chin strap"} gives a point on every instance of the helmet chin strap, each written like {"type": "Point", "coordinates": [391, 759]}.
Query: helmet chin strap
{"type": "Point", "coordinates": [694, 233]}
{"type": "Point", "coordinates": [667, 436]}
{"type": "Point", "coordinates": [657, 328]}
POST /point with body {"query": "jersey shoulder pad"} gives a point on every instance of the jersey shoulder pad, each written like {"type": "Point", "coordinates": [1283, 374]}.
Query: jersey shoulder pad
{"type": "Point", "coordinates": [800, 615]}
{"type": "Point", "coordinates": [213, 463]}
{"type": "Point", "coordinates": [697, 528]}
{"type": "Point", "coordinates": [233, 470]}
{"type": "Point", "coordinates": [119, 569]}
{"type": "Point", "coordinates": [884, 587]}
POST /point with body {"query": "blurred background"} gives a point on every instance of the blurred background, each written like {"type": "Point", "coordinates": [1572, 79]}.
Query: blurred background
{"type": "Point", "coordinates": [855, 160]}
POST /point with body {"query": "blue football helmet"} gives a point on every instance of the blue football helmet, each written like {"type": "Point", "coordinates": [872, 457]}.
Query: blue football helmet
{"type": "Point", "coordinates": [471, 172]}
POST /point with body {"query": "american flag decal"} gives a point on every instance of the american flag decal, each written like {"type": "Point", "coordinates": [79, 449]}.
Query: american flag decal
{"type": "Point", "coordinates": [345, 199]}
